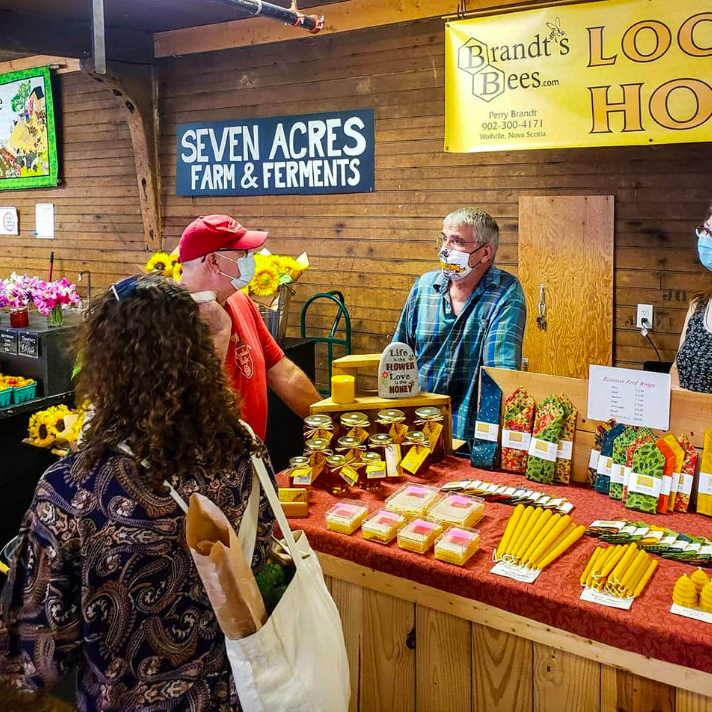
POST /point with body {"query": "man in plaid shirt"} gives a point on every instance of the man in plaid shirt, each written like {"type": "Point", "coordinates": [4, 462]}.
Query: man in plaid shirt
{"type": "Point", "coordinates": [467, 314]}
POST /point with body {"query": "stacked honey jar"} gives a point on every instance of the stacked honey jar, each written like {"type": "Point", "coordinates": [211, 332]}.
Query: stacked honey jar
{"type": "Point", "coordinates": [355, 450]}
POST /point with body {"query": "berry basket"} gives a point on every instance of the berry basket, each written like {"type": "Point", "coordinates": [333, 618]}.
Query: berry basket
{"type": "Point", "coordinates": [25, 393]}
{"type": "Point", "coordinates": [5, 397]}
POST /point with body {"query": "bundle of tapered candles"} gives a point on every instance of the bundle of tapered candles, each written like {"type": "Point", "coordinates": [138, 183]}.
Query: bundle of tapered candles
{"type": "Point", "coordinates": [535, 537]}
{"type": "Point", "coordinates": [621, 571]}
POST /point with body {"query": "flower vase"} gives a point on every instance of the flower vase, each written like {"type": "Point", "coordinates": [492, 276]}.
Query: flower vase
{"type": "Point", "coordinates": [20, 318]}
{"type": "Point", "coordinates": [55, 318]}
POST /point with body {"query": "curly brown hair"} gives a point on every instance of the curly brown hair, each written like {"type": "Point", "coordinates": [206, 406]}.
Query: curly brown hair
{"type": "Point", "coordinates": [150, 371]}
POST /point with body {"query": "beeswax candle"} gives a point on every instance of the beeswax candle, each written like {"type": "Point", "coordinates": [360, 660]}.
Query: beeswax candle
{"type": "Point", "coordinates": [343, 389]}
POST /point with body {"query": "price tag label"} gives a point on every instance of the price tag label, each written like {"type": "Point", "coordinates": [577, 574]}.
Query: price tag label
{"type": "Point", "coordinates": [517, 573]}
{"type": "Point", "coordinates": [8, 342]}
{"type": "Point", "coordinates": [605, 599]}
{"type": "Point", "coordinates": [28, 344]}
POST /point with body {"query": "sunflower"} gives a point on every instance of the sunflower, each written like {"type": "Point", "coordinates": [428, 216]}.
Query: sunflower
{"type": "Point", "coordinates": [160, 262]}
{"type": "Point", "coordinates": [265, 282]}
{"type": "Point", "coordinates": [289, 266]}
{"type": "Point", "coordinates": [43, 425]}
{"type": "Point", "coordinates": [177, 271]}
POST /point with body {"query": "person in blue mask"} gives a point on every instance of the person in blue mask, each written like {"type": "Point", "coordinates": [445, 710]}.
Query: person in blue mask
{"type": "Point", "coordinates": [692, 370]}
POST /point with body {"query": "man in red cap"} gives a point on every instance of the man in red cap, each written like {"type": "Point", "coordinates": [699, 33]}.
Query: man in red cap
{"type": "Point", "coordinates": [217, 254]}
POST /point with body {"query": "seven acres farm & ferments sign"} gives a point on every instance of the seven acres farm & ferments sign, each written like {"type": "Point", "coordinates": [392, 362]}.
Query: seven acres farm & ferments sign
{"type": "Point", "coordinates": [311, 153]}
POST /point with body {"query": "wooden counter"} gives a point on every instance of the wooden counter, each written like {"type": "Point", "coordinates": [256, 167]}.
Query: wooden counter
{"type": "Point", "coordinates": [414, 647]}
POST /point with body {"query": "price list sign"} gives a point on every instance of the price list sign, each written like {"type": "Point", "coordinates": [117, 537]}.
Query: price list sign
{"type": "Point", "coordinates": [8, 342]}
{"type": "Point", "coordinates": [631, 397]}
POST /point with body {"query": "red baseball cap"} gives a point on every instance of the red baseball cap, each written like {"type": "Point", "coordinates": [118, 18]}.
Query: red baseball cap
{"type": "Point", "coordinates": [214, 233]}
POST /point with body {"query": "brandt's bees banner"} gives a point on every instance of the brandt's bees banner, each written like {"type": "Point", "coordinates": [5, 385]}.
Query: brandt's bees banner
{"type": "Point", "coordinates": [614, 73]}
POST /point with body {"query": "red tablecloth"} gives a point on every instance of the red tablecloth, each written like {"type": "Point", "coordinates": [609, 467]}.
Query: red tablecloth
{"type": "Point", "coordinates": [648, 628]}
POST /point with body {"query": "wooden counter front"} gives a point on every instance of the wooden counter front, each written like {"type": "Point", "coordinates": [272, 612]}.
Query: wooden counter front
{"type": "Point", "coordinates": [416, 648]}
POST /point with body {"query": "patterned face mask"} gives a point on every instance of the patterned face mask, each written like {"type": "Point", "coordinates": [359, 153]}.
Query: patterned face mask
{"type": "Point", "coordinates": [456, 264]}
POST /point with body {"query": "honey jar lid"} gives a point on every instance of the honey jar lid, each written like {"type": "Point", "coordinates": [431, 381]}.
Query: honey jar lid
{"type": "Point", "coordinates": [336, 460]}
{"type": "Point", "coordinates": [319, 420]}
{"type": "Point", "coordinates": [371, 457]}
{"type": "Point", "coordinates": [417, 437]}
{"type": "Point", "coordinates": [429, 412]}
{"type": "Point", "coordinates": [354, 419]}
{"type": "Point", "coordinates": [317, 444]}
{"type": "Point", "coordinates": [298, 461]}
{"type": "Point", "coordinates": [391, 415]}
{"type": "Point", "coordinates": [380, 439]}
{"type": "Point", "coordinates": [348, 441]}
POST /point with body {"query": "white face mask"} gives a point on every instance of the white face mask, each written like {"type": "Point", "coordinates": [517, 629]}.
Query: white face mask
{"type": "Point", "coordinates": [456, 264]}
{"type": "Point", "coordinates": [247, 268]}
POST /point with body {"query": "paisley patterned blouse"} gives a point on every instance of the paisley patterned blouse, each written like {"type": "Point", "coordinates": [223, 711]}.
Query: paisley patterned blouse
{"type": "Point", "coordinates": [103, 580]}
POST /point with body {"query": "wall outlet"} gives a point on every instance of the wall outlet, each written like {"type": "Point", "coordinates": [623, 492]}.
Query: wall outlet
{"type": "Point", "coordinates": [645, 311]}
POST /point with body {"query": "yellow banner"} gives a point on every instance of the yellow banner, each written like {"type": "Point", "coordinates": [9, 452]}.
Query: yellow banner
{"type": "Point", "coordinates": [613, 73]}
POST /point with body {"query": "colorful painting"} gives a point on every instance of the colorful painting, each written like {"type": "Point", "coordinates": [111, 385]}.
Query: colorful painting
{"type": "Point", "coordinates": [28, 143]}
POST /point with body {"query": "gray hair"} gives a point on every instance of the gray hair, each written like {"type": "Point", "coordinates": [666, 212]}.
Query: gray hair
{"type": "Point", "coordinates": [484, 226]}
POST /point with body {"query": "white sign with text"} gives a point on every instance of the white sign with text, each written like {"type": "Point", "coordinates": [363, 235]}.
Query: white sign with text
{"type": "Point", "coordinates": [632, 397]}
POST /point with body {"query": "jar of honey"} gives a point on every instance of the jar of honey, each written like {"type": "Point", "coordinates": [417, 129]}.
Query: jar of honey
{"type": "Point", "coordinates": [317, 450]}
{"type": "Point", "coordinates": [318, 425]}
{"type": "Point", "coordinates": [373, 472]}
{"type": "Point", "coordinates": [389, 451]}
{"type": "Point", "coordinates": [416, 453]}
{"type": "Point", "coordinates": [337, 480]}
{"type": "Point", "coordinates": [431, 419]}
{"type": "Point", "coordinates": [356, 425]}
{"type": "Point", "coordinates": [391, 421]}
{"type": "Point", "coordinates": [300, 470]}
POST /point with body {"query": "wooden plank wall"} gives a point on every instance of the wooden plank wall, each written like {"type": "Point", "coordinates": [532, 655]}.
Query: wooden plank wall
{"type": "Point", "coordinates": [372, 247]}
{"type": "Point", "coordinates": [407, 657]}
{"type": "Point", "coordinates": [97, 213]}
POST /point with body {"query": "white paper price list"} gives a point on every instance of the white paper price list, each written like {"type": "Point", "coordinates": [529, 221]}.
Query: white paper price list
{"type": "Point", "coordinates": [630, 397]}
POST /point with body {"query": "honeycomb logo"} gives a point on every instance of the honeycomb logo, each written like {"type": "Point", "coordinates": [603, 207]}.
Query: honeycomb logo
{"type": "Point", "coordinates": [473, 58]}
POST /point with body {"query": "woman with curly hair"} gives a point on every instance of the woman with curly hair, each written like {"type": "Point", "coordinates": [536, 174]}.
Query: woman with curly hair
{"type": "Point", "coordinates": [103, 579]}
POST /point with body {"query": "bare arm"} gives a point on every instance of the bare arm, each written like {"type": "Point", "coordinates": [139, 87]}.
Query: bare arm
{"type": "Point", "coordinates": [674, 374]}
{"type": "Point", "coordinates": [291, 384]}
{"type": "Point", "coordinates": [220, 325]}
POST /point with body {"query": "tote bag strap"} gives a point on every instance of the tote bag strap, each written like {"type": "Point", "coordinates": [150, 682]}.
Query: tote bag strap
{"type": "Point", "coordinates": [247, 534]}
{"type": "Point", "coordinates": [264, 480]}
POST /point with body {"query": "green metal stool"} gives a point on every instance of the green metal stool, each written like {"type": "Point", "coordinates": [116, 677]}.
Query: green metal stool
{"type": "Point", "coordinates": [331, 340]}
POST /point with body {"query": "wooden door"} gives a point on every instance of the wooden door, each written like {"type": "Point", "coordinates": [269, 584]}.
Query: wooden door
{"type": "Point", "coordinates": [566, 244]}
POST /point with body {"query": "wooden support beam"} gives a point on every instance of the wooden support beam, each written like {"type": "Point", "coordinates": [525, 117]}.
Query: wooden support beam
{"type": "Point", "coordinates": [69, 38]}
{"type": "Point", "coordinates": [63, 65]}
{"type": "Point", "coordinates": [340, 17]}
{"type": "Point", "coordinates": [134, 87]}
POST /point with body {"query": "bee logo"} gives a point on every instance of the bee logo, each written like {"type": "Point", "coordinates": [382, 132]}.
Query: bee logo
{"type": "Point", "coordinates": [556, 32]}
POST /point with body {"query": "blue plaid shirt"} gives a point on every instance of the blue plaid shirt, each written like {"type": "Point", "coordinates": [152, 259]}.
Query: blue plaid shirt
{"type": "Point", "coordinates": [449, 349]}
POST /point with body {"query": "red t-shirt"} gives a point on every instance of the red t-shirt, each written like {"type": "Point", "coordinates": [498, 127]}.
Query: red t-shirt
{"type": "Point", "coordinates": [252, 352]}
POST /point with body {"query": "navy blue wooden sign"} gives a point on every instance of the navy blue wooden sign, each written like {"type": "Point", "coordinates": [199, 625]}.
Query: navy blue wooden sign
{"type": "Point", "coordinates": [311, 153]}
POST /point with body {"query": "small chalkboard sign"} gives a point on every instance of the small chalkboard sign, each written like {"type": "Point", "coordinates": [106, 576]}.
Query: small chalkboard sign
{"type": "Point", "coordinates": [29, 344]}
{"type": "Point", "coordinates": [398, 372]}
{"type": "Point", "coordinates": [8, 341]}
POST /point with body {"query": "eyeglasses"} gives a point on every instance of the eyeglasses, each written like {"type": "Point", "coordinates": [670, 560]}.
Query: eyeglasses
{"type": "Point", "coordinates": [455, 243]}
{"type": "Point", "coordinates": [702, 231]}
{"type": "Point", "coordinates": [237, 261]}
{"type": "Point", "coordinates": [124, 288]}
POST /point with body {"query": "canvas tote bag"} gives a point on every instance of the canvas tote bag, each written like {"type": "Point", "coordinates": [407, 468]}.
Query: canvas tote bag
{"type": "Point", "coordinates": [297, 661]}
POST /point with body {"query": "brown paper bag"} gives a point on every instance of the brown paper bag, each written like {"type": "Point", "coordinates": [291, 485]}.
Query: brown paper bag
{"type": "Point", "coordinates": [225, 572]}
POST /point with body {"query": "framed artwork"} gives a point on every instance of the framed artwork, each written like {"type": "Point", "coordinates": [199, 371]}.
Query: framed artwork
{"type": "Point", "coordinates": [28, 141]}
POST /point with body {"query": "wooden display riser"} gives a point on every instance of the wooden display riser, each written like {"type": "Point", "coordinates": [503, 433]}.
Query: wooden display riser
{"type": "Point", "coordinates": [413, 648]}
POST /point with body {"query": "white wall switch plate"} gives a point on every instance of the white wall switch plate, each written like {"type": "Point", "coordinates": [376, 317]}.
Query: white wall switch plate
{"type": "Point", "coordinates": [645, 311]}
